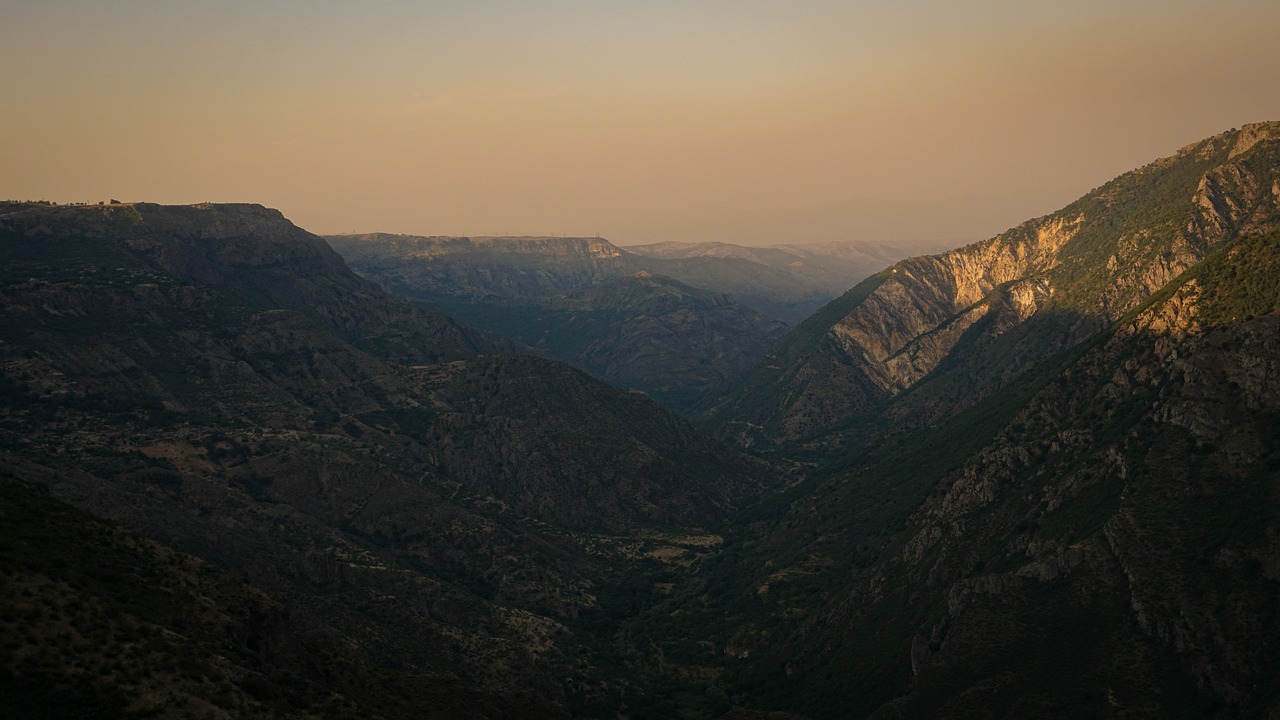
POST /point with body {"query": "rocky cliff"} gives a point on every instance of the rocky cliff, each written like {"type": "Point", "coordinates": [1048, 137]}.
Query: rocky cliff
{"type": "Point", "coordinates": [954, 326]}
{"type": "Point", "coordinates": [1122, 524]}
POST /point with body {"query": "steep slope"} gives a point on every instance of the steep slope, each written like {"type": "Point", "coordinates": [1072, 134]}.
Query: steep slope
{"type": "Point", "coordinates": [954, 327]}
{"type": "Point", "coordinates": [217, 379]}
{"type": "Point", "coordinates": [648, 333]}
{"type": "Point", "coordinates": [1113, 550]}
{"type": "Point", "coordinates": [1098, 536]}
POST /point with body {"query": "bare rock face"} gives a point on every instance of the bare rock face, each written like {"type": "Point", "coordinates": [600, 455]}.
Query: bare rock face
{"type": "Point", "coordinates": [923, 308]}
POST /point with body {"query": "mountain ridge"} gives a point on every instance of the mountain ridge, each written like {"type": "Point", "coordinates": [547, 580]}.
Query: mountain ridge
{"type": "Point", "coordinates": [923, 311]}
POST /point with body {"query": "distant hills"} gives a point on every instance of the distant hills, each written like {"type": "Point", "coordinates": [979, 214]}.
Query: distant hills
{"type": "Point", "coordinates": [703, 312]}
{"type": "Point", "coordinates": [786, 282]}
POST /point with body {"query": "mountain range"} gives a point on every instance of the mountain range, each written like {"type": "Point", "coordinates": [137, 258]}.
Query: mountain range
{"type": "Point", "coordinates": [1035, 476]}
{"type": "Point", "coordinates": [673, 320]}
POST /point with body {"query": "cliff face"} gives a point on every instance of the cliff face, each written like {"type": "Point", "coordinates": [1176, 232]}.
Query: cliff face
{"type": "Point", "coordinates": [970, 319]}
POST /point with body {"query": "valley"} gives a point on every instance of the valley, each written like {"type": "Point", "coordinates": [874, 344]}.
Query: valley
{"type": "Point", "coordinates": [399, 476]}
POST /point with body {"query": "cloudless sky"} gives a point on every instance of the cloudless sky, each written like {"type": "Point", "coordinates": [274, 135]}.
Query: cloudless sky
{"type": "Point", "coordinates": [739, 121]}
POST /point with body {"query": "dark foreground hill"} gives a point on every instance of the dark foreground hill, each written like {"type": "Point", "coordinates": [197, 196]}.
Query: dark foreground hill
{"type": "Point", "coordinates": [218, 380]}
{"type": "Point", "coordinates": [101, 623]}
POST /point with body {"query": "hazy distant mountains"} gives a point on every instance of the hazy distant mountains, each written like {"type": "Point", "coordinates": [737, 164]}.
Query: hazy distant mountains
{"type": "Point", "coordinates": [700, 314]}
{"type": "Point", "coordinates": [786, 282]}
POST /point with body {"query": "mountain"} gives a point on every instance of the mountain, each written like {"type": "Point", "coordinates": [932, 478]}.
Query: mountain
{"type": "Point", "coordinates": [637, 322]}
{"type": "Point", "coordinates": [218, 380]}
{"type": "Point", "coordinates": [786, 282]}
{"type": "Point", "coordinates": [932, 335]}
{"type": "Point", "coordinates": [1032, 477]}
{"type": "Point", "coordinates": [1110, 550]}
{"type": "Point", "coordinates": [645, 332]}
{"type": "Point", "coordinates": [830, 266]}
{"type": "Point", "coordinates": [1089, 527]}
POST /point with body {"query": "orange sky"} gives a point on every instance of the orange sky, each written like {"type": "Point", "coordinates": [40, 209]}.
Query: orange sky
{"type": "Point", "coordinates": [737, 121]}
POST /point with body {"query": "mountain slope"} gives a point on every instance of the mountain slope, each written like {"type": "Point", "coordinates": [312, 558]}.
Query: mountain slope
{"type": "Point", "coordinates": [643, 332]}
{"type": "Point", "coordinates": [951, 328]}
{"type": "Point", "coordinates": [1123, 525]}
{"type": "Point", "coordinates": [1095, 536]}
{"type": "Point", "coordinates": [217, 379]}
{"type": "Point", "coordinates": [787, 282]}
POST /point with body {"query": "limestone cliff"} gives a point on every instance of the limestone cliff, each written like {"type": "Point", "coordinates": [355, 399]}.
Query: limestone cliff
{"type": "Point", "coordinates": [954, 326]}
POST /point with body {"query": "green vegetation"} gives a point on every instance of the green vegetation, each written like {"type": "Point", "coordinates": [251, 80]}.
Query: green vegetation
{"type": "Point", "coordinates": [1240, 281]}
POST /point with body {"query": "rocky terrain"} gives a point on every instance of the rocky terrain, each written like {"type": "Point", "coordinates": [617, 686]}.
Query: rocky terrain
{"type": "Point", "coordinates": [1110, 549]}
{"type": "Point", "coordinates": [1092, 531]}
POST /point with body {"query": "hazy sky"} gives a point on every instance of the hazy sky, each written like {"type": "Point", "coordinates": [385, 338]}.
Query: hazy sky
{"type": "Point", "coordinates": [737, 121]}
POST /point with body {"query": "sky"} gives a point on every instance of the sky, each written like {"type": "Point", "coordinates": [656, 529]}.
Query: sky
{"type": "Point", "coordinates": [699, 120]}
